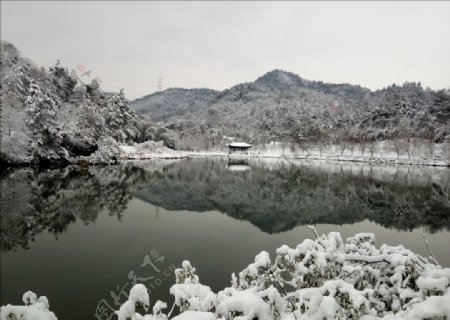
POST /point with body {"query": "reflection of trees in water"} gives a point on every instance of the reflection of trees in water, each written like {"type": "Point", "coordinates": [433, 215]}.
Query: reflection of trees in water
{"type": "Point", "coordinates": [34, 201]}
{"type": "Point", "coordinates": [281, 199]}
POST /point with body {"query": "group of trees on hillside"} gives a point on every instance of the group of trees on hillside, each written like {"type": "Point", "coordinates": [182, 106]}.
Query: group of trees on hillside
{"type": "Point", "coordinates": [281, 106]}
{"type": "Point", "coordinates": [48, 116]}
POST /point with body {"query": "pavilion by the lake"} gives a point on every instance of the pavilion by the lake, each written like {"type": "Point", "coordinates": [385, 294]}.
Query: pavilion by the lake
{"type": "Point", "coordinates": [238, 148]}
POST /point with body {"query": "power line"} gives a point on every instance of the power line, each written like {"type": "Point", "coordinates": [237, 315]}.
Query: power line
{"type": "Point", "coordinates": [160, 84]}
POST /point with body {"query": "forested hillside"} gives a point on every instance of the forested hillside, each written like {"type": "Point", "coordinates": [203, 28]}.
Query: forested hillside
{"type": "Point", "coordinates": [49, 117]}
{"type": "Point", "coordinates": [281, 106]}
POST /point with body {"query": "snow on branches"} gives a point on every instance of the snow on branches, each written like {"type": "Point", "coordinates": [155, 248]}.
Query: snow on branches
{"type": "Point", "coordinates": [34, 309]}
{"type": "Point", "coordinates": [326, 278]}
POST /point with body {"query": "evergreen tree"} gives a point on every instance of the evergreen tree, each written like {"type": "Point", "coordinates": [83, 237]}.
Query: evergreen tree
{"type": "Point", "coordinates": [119, 117]}
{"type": "Point", "coordinates": [42, 112]}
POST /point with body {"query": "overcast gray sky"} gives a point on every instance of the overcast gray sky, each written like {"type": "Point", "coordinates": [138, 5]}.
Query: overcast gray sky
{"type": "Point", "coordinates": [219, 44]}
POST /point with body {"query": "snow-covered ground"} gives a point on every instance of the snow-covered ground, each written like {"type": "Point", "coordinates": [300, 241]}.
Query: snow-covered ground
{"type": "Point", "coordinates": [380, 152]}
{"type": "Point", "coordinates": [326, 278]}
{"type": "Point", "coordinates": [148, 150]}
{"type": "Point", "coordinates": [392, 152]}
{"type": "Point", "coordinates": [384, 152]}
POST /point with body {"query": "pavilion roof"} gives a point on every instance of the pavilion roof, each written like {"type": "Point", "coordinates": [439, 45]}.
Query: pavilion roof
{"type": "Point", "coordinates": [239, 145]}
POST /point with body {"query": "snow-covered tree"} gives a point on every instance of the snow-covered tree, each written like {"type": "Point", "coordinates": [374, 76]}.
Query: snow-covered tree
{"type": "Point", "coordinates": [63, 121]}
{"type": "Point", "coordinates": [42, 113]}
{"type": "Point", "coordinates": [118, 117]}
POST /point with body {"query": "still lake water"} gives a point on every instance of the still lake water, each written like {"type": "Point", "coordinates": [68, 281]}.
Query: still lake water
{"type": "Point", "coordinates": [83, 238]}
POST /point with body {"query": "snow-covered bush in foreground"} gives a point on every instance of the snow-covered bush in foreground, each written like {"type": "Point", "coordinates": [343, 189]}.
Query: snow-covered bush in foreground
{"type": "Point", "coordinates": [322, 279]}
{"type": "Point", "coordinates": [325, 278]}
{"type": "Point", "coordinates": [34, 309]}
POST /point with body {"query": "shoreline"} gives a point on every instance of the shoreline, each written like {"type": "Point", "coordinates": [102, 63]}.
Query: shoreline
{"type": "Point", "coordinates": [372, 161]}
{"type": "Point", "coordinates": [192, 155]}
{"type": "Point", "coordinates": [383, 152]}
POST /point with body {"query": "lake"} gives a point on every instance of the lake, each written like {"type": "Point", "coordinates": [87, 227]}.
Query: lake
{"type": "Point", "coordinates": [83, 237]}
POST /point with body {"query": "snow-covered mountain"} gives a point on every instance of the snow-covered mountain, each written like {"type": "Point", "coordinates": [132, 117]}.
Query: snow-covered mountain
{"type": "Point", "coordinates": [285, 107]}
{"type": "Point", "coordinates": [49, 116]}
{"type": "Point", "coordinates": [175, 102]}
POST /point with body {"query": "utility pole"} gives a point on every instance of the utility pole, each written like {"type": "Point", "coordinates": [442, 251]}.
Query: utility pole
{"type": "Point", "coordinates": [160, 84]}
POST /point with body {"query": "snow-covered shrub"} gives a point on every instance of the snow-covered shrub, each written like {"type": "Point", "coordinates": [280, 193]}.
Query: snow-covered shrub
{"type": "Point", "coordinates": [193, 296]}
{"type": "Point", "coordinates": [186, 274]}
{"type": "Point", "coordinates": [326, 278]}
{"type": "Point", "coordinates": [245, 303]}
{"type": "Point", "coordinates": [34, 309]}
{"type": "Point", "coordinates": [322, 279]}
{"type": "Point", "coordinates": [138, 297]}
{"type": "Point", "coordinates": [189, 293]}
{"type": "Point", "coordinates": [107, 153]}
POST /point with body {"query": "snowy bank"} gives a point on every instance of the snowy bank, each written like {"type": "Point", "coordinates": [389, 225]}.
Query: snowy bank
{"type": "Point", "coordinates": [148, 150]}
{"type": "Point", "coordinates": [326, 278]}
{"type": "Point", "coordinates": [417, 152]}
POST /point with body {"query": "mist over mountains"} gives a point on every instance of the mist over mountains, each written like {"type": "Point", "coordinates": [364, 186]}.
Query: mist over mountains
{"type": "Point", "coordinates": [282, 106]}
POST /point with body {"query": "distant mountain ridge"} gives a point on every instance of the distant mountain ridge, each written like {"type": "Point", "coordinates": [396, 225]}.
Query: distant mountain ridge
{"type": "Point", "coordinates": [282, 106]}
{"type": "Point", "coordinates": [185, 99]}
{"type": "Point", "coordinates": [275, 81]}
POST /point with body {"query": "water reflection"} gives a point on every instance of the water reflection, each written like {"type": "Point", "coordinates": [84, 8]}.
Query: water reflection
{"type": "Point", "coordinates": [238, 164]}
{"type": "Point", "coordinates": [280, 197]}
{"type": "Point", "coordinates": [275, 197]}
{"type": "Point", "coordinates": [33, 201]}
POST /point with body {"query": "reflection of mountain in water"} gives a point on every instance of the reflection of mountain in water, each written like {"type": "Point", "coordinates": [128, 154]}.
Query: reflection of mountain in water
{"type": "Point", "coordinates": [283, 198]}
{"type": "Point", "coordinates": [274, 200]}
